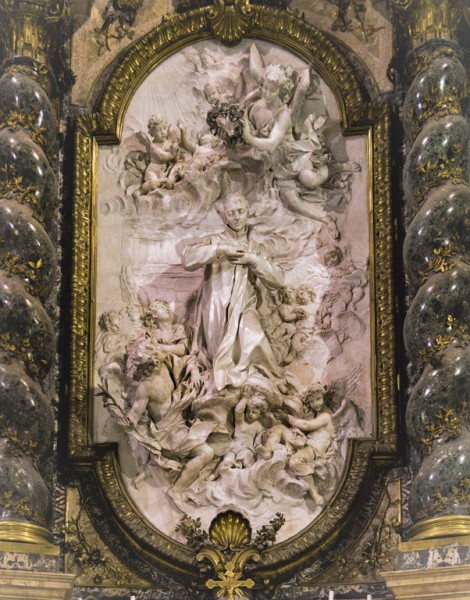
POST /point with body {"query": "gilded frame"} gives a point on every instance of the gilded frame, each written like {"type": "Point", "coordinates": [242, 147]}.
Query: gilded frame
{"type": "Point", "coordinates": [359, 114]}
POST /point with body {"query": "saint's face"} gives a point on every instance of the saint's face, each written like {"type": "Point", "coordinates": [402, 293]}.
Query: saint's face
{"type": "Point", "coordinates": [235, 214]}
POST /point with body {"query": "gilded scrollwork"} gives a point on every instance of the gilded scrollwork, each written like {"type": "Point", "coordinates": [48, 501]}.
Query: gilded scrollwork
{"type": "Point", "coordinates": [444, 258]}
{"type": "Point", "coordinates": [18, 444]}
{"type": "Point", "coordinates": [84, 165]}
{"type": "Point", "coordinates": [13, 264]}
{"type": "Point", "coordinates": [375, 551]}
{"type": "Point", "coordinates": [15, 118]}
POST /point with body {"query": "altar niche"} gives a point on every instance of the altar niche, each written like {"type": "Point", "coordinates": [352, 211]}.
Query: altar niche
{"type": "Point", "coordinates": [239, 273]}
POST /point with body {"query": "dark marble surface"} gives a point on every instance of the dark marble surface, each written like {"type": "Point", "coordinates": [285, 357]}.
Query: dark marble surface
{"type": "Point", "coordinates": [442, 295]}
{"type": "Point", "coordinates": [433, 92]}
{"type": "Point", "coordinates": [25, 413]}
{"type": "Point", "coordinates": [439, 153]}
{"type": "Point", "coordinates": [26, 332]}
{"type": "Point", "coordinates": [441, 388]}
{"type": "Point", "coordinates": [22, 96]}
{"type": "Point", "coordinates": [26, 250]}
{"type": "Point", "coordinates": [440, 488]}
{"type": "Point", "coordinates": [23, 493]}
{"type": "Point", "coordinates": [444, 220]}
{"type": "Point", "coordinates": [26, 173]}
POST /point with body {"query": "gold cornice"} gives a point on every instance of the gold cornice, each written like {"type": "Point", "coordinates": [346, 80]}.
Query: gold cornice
{"type": "Point", "coordinates": [28, 548]}
{"type": "Point", "coordinates": [441, 527]}
{"type": "Point", "coordinates": [429, 544]}
{"type": "Point", "coordinates": [16, 531]}
{"type": "Point", "coordinates": [438, 583]}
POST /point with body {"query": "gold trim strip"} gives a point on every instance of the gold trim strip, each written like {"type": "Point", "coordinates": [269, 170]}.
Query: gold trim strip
{"type": "Point", "coordinates": [15, 531]}
{"type": "Point", "coordinates": [441, 527]}
{"type": "Point", "coordinates": [26, 548]}
{"type": "Point", "coordinates": [413, 546]}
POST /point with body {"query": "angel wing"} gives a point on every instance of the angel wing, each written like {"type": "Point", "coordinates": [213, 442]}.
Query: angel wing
{"type": "Point", "coordinates": [342, 388]}
{"type": "Point", "coordinates": [301, 88]}
{"type": "Point", "coordinates": [128, 285]}
{"type": "Point", "coordinates": [348, 417]}
{"type": "Point", "coordinates": [256, 65]}
{"type": "Point", "coordinates": [138, 141]}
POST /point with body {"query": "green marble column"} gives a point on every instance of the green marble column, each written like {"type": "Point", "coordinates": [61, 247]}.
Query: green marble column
{"type": "Point", "coordinates": [30, 34]}
{"type": "Point", "coordinates": [436, 257]}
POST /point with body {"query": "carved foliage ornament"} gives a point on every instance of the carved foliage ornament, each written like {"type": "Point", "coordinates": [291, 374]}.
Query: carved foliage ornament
{"type": "Point", "coordinates": [229, 21]}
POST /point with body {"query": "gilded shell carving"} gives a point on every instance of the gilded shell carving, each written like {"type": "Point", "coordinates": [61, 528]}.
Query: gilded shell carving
{"type": "Point", "coordinates": [230, 20]}
{"type": "Point", "coordinates": [230, 530]}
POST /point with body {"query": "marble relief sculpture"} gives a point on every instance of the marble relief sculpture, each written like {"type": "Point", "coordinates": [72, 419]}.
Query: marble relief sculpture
{"type": "Point", "coordinates": [219, 368]}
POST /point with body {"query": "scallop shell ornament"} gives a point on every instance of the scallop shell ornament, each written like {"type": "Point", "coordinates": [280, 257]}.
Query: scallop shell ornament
{"type": "Point", "coordinates": [230, 531]}
{"type": "Point", "coordinates": [230, 20]}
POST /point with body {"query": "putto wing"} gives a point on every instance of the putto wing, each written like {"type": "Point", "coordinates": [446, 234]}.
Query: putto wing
{"type": "Point", "coordinates": [138, 141]}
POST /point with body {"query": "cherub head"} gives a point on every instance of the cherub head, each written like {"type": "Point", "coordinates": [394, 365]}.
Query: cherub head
{"type": "Point", "coordinates": [256, 405]}
{"type": "Point", "coordinates": [333, 256]}
{"type": "Point", "coordinates": [305, 294]}
{"type": "Point", "coordinates": [158, 128]}
{"type": "Point", "coordinates": [213, 92]}
{"type": "Point", "coordinates": [208, 58]}
{"type": "Point", "coordinates": [314, 397]}
{"type": "Point", "coordinates": [277, 83]}
{"type": "Point", "coordinates": [288, 295]}
{"type": "Point", "coordinates": [109, 321]}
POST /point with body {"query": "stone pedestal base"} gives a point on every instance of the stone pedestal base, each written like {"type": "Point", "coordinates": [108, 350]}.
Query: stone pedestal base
{"type": "Point", "coordinates": [438, 583]}
{"type": "Point", "coordinates": [28, 585]}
